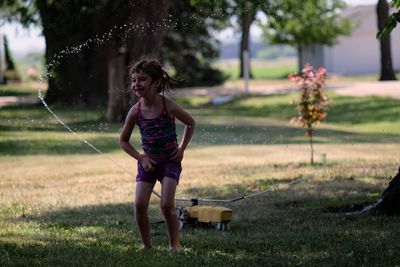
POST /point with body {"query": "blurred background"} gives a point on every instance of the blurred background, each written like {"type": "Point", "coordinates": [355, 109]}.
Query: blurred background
{"type": "Point", "coordinates": [80, 51]}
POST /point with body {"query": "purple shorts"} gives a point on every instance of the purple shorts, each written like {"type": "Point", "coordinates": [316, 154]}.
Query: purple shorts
{"type": "Point", "coordinates": [164, 167]}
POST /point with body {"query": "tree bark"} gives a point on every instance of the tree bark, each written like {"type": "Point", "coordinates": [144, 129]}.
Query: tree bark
{"type": "Point", "coordinates": [117, 95]}
{"type": "Point", "coordinates": [75, 75]}
{"type": "Point", "coordinates": [96, 74]}
{"type": "Point", "coordinates": [387, 72]}
{"type": "Point", "coordinates": [144, 41]}
{"type": "Point", "coordinates": [247, 17]}
{"type": "Point", "coordinates": [2, 60]}
{"type": "Point", "coordinates": [300, 56]}
{"type": "Point", "coordinates": [389, 203]}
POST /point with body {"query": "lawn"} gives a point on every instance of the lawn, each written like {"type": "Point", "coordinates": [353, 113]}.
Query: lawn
{"type": "Point", "coordinates": [260, 69]}
{"type": "Point", "coordinates": [21, 89]}
{"type": "Point", "coordinates": [64, 204]}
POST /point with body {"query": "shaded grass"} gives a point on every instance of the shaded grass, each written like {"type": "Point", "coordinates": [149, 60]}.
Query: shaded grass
{"type": "Point", "coordinates": [283, 228]}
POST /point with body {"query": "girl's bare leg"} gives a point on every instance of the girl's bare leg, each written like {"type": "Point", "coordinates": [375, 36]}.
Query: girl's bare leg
{"type": "Point", "coordinates": [168, 208]}
{"type": "Point", "coordinates": [142, 199]}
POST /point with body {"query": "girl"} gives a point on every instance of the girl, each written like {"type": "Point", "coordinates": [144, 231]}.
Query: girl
{"type": "Point", "coordinates": [161, 158]}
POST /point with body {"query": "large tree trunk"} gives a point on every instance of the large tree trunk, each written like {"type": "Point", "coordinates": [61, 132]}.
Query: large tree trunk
{"type": "Point", "coordinates": [247, 17]}
{"type": "Point", "coordinates": [389, 203]}
{"type": "Point", "coordinates": [76, 76]}
{"type": "Point", "coordinates": [146, 41]}
{"type": "Point", "coordinates": [96, 74]}
{"type": "Point", "coordinates": [118, 102]}
{"type": "Point", "coordinates": [387, 73]}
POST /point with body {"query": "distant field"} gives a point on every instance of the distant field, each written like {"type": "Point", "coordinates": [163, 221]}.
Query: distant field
{"type": "Point", "coordinates": [280, 68]}
{"type": "Point", "coordinates": [261, 69]}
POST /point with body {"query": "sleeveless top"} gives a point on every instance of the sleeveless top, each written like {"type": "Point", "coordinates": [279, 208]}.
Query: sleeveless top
{"type": "Point", "coordinates": [158, 134]}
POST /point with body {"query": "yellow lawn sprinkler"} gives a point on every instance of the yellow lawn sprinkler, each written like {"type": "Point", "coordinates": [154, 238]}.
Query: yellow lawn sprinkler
{"type": "Point", "coordinates": [217, 216]}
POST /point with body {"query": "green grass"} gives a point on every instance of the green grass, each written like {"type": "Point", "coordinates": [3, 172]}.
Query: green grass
{"type": "Point", "coordinates": [280, 72]}
{"type": "Point", "coordinates": [63, 204]}
{"type": "Point", "coordinates": [23, 89]}
{"type": "Point", "coordinates": [260, 69]}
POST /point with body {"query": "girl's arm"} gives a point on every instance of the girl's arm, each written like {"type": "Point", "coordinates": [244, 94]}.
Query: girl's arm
{"type": "Point", "coordinates": [178, 112]}
{"type": "Point", "coordinates": [126, 134]}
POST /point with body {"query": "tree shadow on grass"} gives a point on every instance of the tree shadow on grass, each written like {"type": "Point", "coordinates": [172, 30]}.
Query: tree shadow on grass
{"type": "Point", "coordinates": [271, 231]}
{"type": "Point", "coordinates": [370, 109]}
{"type": "Point", "coordinates": [105, 144]}
{"type": "Point", "coordinates": [343, 109]}
{"type": "Point", "coordinates": [210, 134]}
{"type": "Point", "coordinates": [206, 135]}
{"type": "Point", "coordinates": [104, 235]}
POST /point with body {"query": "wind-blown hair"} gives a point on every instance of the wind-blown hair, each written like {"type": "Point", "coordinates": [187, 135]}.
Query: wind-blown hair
{"type": "Point", "coordinates": [156, 71]}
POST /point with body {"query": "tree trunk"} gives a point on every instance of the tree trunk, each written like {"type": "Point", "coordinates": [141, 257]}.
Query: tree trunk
{"type": "Point", "coordinates": [145, 41]}
{"type": "Point", "coordinates": [117, 96]}
{"type": "Point", "coordinates": [311, 149]}
{"type": "Point", "coordinates": [88, 75]}
{"type": "Point", "coordinates": [2, 60]}
{"type": "Point", "coordinates": [389, 203]}
{"type": "Point", "coordinates": [76, 75]}
{"type": "Point", "coordinates": [387, 72]}
{"type": "Point", "coordinates": [300, 58]}
{"type": "Point", "coordinates": [247, 17]}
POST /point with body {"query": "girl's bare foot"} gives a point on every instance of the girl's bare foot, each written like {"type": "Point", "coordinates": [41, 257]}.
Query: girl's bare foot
{"type": "Point", "coordinates": [174, 249]}
{"type": "Point", "coordinates": [144, 249]}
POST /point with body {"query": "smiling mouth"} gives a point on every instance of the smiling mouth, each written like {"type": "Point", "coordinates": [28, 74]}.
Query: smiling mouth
{"type": "Point", "coordinates": [138, 89]}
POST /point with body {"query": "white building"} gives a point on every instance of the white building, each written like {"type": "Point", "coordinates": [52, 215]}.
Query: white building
{"type": "Point", "coordinates": [358, 53]}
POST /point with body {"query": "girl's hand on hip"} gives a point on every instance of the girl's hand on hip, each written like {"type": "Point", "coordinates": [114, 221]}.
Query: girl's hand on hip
{"type": "Point", "coordinates": [147, 163]}
{"type": "Point", "coordinates": [177, 155]}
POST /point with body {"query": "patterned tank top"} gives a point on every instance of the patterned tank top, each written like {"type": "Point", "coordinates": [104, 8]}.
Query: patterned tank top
{"type": "Point", "coordinates": [158, 134]}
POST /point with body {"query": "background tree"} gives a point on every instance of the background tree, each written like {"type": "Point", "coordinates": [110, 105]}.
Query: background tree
{"type": "Point", "coordinates": [18, 11]}
{"type": "Point", "coordinates": [304, 23]}
{"type": "Point", "coordinates": [22, 11]}
{"type": "Point", "coordinates": [391, 23]}
{"type": "Point", "coordinates": [11, 72]}
{"type": "Point", "coordinates": [87, 55]}
{"type": "Point", "coordinates": [76, 75]}
{"type": "Point", "coordinates": [388, 203]}
{"type": "Point", "coordinates": [188, 44]}
{"type": "Point", "coordinates": [246, 12]}
{"type": "Point", "coordinates": [126, 49]}
{"type": "Point", "coordinates": [387, 72]}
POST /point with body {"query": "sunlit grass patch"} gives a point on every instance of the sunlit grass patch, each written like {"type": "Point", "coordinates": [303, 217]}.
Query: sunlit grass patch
{"type": "Point", "coordinates": [261, 69]}
{"type": "Point", "coordinates": [22, 89]}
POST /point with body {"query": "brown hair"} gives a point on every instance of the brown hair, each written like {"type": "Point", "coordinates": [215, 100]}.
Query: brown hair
{"type": "Point", "coordinates": [156, 71]}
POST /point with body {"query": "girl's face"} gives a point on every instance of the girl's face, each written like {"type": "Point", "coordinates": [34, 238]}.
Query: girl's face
{"type": "Point", "coordinates": [143, 85]}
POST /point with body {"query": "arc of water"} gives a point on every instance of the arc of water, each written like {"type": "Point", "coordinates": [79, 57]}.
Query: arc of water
{"type": "Point", "coordinates": [85, 141]}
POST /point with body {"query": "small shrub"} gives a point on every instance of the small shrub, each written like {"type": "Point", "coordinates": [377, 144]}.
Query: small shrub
{"type": "Point", "coordinates": [312, 103]}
